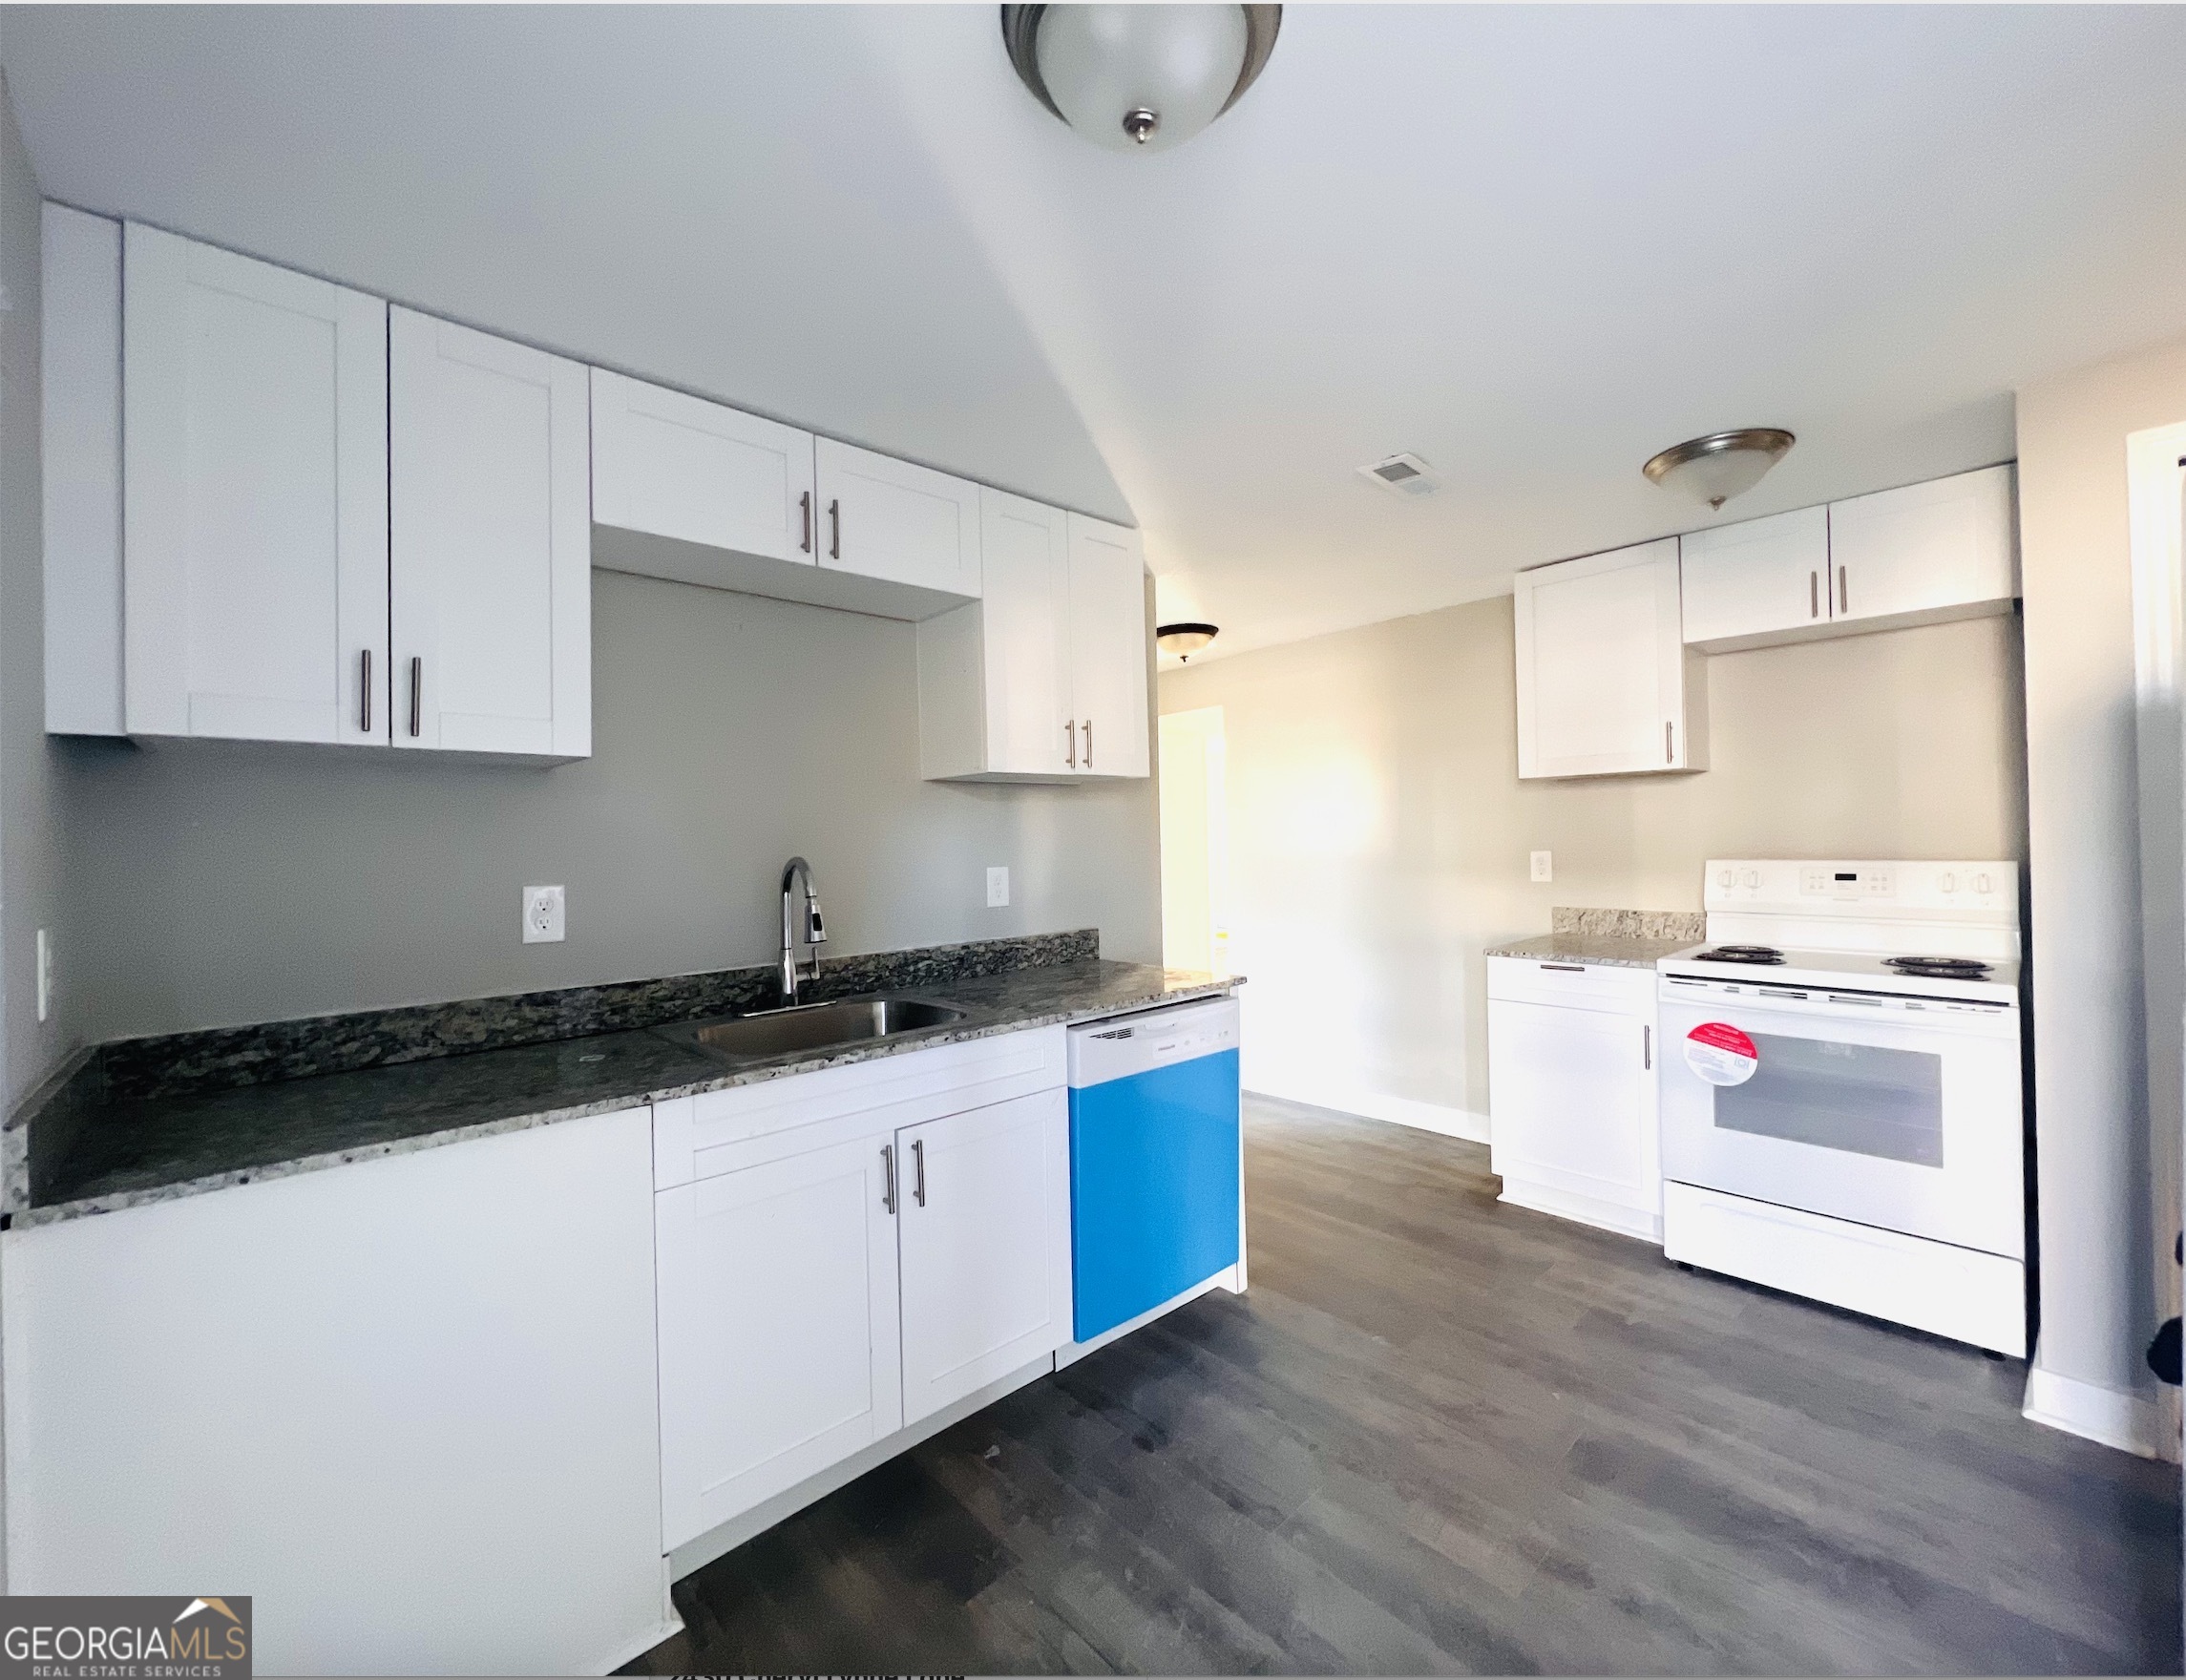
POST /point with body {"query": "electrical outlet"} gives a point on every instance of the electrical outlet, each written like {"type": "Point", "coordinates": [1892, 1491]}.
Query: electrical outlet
{"type": "Point", "coordinates": [45, 974]}
{"type": "Point", "coordinates": [542, 915]}
{"type": "Point", "coordinates": [1543, 867]}
{"type": "Point", "coordinates": [997, 886]}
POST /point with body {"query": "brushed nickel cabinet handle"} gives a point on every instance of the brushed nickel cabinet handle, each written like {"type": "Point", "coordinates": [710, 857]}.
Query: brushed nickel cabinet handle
{"type": "Point", "coordinates": [1566, 968]}
{"type": "Point", "coordinates": [1070, 735]}
{"type": "Point", "coordinates": [1814, 594]}
{"type": "Point", "coordinates": [805, 503]}
{"type": "Point", "coordinates": [887, 1177]}
{"type": "Point", "coordinates": [1843, 592]}
{"type": "Point", "coordinates": [918, 1166]}
{"type": "Point", "coordinates": [365, 695]}
{"type": "Point", "coordinates": [836, 530]}
{"type": "Point", "coordinates": [417, 696]}
{"type": "Point", "coordinates": [1647, 1049]}
{"type": "Point", "coordinates": [1088, 742]}
{"type": "Point", "coordinates": [1669, 756]}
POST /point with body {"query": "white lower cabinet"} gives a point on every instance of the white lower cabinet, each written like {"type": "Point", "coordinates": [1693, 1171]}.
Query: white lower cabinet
{"type": "Point", "coordinates": [408, 1405]}
{"type": "Point", "coordinates": [986, 1234]}
{"type": "Point", "coordinates": [1571, 1091]}
{"type": "Point", "coordinates": [846, 1252]}
{"type": "Point", "coordinates": [778, 1329]}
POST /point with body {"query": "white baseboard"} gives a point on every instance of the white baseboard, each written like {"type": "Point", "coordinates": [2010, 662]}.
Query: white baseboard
{"type": "Point", "coordinates": [1599, 1211]}
{"type": "Point", "coordinates": [2132, 1423]}
{"type": "Point", "coordinates": [1411, 1111]}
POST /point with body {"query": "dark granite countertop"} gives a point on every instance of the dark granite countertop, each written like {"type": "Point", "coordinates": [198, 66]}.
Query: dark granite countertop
{"type": "Point", "coordinates": [1599, 950]}
{"type": "Point", "coordinates": [95, 1151]}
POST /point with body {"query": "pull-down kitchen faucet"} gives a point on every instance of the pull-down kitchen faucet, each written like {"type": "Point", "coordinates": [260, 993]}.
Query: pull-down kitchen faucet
{"type": "Point", "coordinates": [800, 920]}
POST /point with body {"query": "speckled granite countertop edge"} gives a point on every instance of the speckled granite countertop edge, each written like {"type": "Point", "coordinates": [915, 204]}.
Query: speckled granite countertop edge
{"type": "Point", "coordinates": [1610, 951]}
{"type": "Point", "coordinates": [1194, 989]}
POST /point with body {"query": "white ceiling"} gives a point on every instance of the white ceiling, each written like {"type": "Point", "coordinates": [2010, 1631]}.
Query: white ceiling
{"type": "Point", "coordinates": [1533, 245]}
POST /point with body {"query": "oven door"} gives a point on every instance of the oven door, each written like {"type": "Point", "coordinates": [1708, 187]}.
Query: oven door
{"type": "Point", "coordinates": [1890, 1112]}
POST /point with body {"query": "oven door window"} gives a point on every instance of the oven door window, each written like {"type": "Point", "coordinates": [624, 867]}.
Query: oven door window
{"type": "Point", "coordinates": [1854, 1097]}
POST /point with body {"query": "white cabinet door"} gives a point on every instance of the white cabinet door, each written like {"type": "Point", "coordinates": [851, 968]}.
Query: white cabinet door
{"type": "Point", "coordinates": [1929, 551]}
{"type": "Point", "coordinates": [1573, 1115]}
{"type": "Point", "coordinates": [408, 1406]}
{"type": "Point", "coordinates": [255, 507]}
{"type": "Point", "coordinates": [677, 466]}
{"type": "Point", "coordinates": [778, 1329]}
{"type": "Point", "coordinates": [1025, 634]}
{"type": "Point", "coordinates": [1748, 584]}
{"type": "Point", "coordinates": [1602, 683]}
{"type": "Point", "coordinates": [892, 520]}
{"type": "Point", "coordinates": [489, 492]}
{"type": "Point", "coordinates": [1109, 648]}
{"type": "Point", "coordinates": [986, 1246]}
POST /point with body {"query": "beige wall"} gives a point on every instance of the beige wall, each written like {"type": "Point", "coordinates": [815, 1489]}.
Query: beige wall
{"type": "Point", "coordinates": [2106, 1221]}
{"type": "Point", "coordinates": [1378, 833]}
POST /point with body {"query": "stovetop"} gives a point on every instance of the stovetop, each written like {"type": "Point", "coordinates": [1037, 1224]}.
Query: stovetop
{"type": "Point", "coordinates": [1857, 971]}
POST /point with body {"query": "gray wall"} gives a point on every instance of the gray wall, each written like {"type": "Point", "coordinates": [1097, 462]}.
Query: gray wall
{"type": "Point", "coordinates": [30, 849]}
{"type": "Point", "coordinates": [2107, 1206]}
{"type": "Point", "coordinates": [1380, 835]}
{"type": "Point", "coordinates": [213, 885]}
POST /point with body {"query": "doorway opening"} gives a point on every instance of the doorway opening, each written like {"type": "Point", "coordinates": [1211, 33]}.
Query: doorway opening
{"type": "Point", "coordinates": [1195, 842]}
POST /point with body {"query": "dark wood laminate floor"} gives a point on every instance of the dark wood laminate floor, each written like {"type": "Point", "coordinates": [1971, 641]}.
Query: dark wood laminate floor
{"type": "Point", "coordinates": [1441, 1434]}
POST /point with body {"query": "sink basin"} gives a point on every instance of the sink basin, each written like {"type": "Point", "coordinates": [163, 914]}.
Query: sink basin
{"type": "Point", "coordinates": [814, 1027]}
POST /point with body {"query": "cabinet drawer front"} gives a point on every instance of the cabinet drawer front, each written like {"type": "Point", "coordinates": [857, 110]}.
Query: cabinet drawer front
{"type": "Point", "coordinates": [696, 1137]}
{"type": "Point", "coordinates": [1578, 985]}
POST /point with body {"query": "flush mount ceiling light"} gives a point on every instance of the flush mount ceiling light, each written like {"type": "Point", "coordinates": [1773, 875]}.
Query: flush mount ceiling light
{"type": "Point", "coordinates": [1724, 463]}
{"type": "Point", "coordinates": [1139, 79]}
{"type": "Point", "coordinates": [1184, 639]}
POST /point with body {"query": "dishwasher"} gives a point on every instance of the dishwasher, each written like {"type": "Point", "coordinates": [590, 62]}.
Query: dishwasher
{"type": "Point", "coordinates": [1156, 1167]}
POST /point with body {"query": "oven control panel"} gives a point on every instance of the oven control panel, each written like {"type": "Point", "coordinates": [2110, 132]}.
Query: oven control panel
{"type": "Point", "coordinates": [1983, 890]}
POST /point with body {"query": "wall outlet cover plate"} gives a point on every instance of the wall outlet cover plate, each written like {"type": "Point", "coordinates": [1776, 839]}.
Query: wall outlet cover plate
{"type": "Point", "coordinates": [997, 886]}
{"type": "Point", "coordinates": [543, 911]}
{"type": "Point", "coordinates": [1544, 865]}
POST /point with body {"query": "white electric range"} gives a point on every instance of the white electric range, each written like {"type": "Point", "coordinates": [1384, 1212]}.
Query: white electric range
{"type": "Point", "coordinates": [1840, 1090]}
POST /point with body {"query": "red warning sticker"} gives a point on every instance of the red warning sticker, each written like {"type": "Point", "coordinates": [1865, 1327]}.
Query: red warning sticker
{"type": "Point", "coordinates": [1720, 1054]}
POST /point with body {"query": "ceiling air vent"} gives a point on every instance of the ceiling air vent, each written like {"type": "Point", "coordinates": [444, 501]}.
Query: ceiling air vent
{"type": "Point", "coordinates": [1403, 476]}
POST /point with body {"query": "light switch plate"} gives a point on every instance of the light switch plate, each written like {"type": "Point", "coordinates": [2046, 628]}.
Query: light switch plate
{"type": "Point", "coordinates": [997, 886]}
{"type": "Point", "coordinates": [1544, 865]}
{"type": "Point", "coordinates": [542, 915]}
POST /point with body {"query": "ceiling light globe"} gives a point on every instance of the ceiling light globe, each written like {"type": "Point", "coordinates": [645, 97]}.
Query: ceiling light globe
{"type": "Point", "coordinates": [1724, 463]}
{"type": "Point", "coordinates": [1141, 78]}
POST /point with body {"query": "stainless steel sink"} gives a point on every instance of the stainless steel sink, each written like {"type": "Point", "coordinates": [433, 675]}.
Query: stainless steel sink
{"type": "Point", "coordinates": [815, 1026]}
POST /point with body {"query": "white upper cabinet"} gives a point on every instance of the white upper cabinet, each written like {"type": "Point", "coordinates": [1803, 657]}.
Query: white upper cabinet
{"type": "Point", "coordinates": [490, 487]}
{"type": "Point", "coordinates": [888, 519]}
{"type": "Point", "coordinates": [1753, 582]}
{"type": "Point", "coordinates": [1603, 682]}
{"type": "Point", "coordinates": [674, 466]}
{"type": "Point", "coordinates": [985, 1244]}
{"type": "Point", "coordinates": [1928, 553]}
{"type": "Point", "coordinates": [1917, 555]}
{"type": "Point", "coordinates": [1109, 648]}
{"type": "Point", "coordinates": [1043, 679]}
{"type": "Point", "coordinates": [79, 353]}
{"type": "Point", "coordinates": [255, 498]}
{"type": "Point", "coordinates": [1025, 633]}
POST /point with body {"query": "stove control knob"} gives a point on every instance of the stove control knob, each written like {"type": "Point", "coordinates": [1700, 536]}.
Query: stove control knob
{"type": "Point", "coordinates": [1981, 883]}
{"type": "Point", "coordinates": [1724, 877]}
{"type": "Point", "coordinates": [1754, 878]}
{"type": "Point", "coordinates": [1948, 883]}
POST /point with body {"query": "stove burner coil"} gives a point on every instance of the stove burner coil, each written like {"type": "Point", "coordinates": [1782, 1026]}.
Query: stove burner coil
{"type": "Point", "coordinates": [1766, 954]}
{"type": "Point", "coordinates": [1938, 968]}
